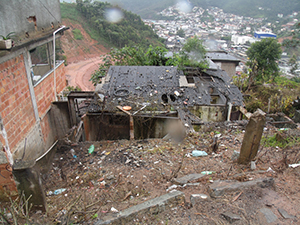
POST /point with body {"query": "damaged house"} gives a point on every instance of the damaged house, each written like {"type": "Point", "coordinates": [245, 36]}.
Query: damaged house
{"type": "Point", "coordinates": [139, 102]}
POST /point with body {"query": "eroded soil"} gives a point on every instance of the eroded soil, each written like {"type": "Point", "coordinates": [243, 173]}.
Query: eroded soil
{"type": "Point", "coordinates": [123, 173]}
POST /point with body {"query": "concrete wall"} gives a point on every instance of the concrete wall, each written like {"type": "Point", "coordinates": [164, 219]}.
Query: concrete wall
{"type": "Point", "coordinates": [209, 113]}
{"type": "Point", "coordinates": [15, 16]}
{"type": "Point", "coordinates": [229, 67]}
{"type": "Point", "coordinates": [60, 118]}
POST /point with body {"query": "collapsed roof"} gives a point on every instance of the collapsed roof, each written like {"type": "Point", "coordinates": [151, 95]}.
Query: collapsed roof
{"type": "Point", "coordinates": [166, 85]}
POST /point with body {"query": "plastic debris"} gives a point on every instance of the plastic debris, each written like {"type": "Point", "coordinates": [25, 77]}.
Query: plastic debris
{"type": "Point", "coordinates": [252, 165]}
{"type": "Point", "coordinates": [73, 153]}
{"type": "Point", "coordinates": [270, 170]}
{"type": "Point", "coordinates": [199, 153]}
{"type": "Point", "coordinates": [91, 149]}
{"type": "Point", "coordinates": [294, 165]}
{"type": "Point", "coordinates": [207, 172]}
{"type": "Point", "coordinates": [114, 210]}
{"type": "Point", "coordinates": [59, 191]}
{"type": "Point", "coordinates": [174, 186]}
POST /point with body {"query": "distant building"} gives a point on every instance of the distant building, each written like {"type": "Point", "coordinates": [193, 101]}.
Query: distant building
{"type": "Point", "coordinates": [240, 40]}
{"type": "Point", "coordinates": [262, 35]}
{"type": "Point", "coordinates": [224, 61]}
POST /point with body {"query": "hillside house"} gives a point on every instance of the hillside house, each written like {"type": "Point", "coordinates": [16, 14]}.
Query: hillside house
{"type": "Point", "coordinates": [140, 102]}
{"type": "Point", "coordinates": [30, 79]}
{"type": "Point", "coordinates": [224, 61]}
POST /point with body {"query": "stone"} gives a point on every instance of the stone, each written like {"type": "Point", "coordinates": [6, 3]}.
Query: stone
{"type": "Point", "coordinates": [198, 198]}
{"type": "Point", "coordinates": [269, 215]}
{"type": "Point", "coordinates": [230, 217]}
{"type": "Point", "coordinates": [219, 188]}
{"type": "Point", "coordinates": [285, 214]}
{"type": "Point", "coordinates": [153, 206]}
{"type": "Point", "coordinates": [187, 178]}
{"type": "Point", "coordinates": [296, 117]}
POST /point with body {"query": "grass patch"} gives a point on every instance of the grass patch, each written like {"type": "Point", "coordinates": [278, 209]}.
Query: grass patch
{"type": "Point", "coordinates": [77, 34]}
{"type": "Point", "coordinates": [278, 140]}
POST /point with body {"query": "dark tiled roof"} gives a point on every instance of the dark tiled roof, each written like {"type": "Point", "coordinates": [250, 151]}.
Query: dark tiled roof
{"type": "Point", "coordinates": [148, 85]}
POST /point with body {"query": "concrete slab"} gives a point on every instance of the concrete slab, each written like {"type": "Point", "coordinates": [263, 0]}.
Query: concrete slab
{"type": "Point", "coordinates": [219, 188]}
{"type": "Point", "coordinates": [187, 178]}
{"type": "Point", "coordinates": [285, 214]}
{"type": "Point", "coordinates": [152, 206]}
{"type": "Point", "coordinates": [230, 217]}
{"type": "Point", "coordinates": [269, 215]}
{"type": "Point", "coordinates": [198, 199]}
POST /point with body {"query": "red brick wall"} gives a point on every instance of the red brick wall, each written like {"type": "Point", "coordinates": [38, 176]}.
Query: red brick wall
{"type": "Point", "coordinates": [44, 96]}
{"type": "Point", "coordinates": [7, 183]}
{"type": "Point", "coordinates": [15, 102]}
{"type": "Point", "coordinates": [44, 93]}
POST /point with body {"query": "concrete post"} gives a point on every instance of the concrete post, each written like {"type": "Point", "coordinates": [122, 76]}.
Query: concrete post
{"type": "Point", "coordinates": [252, 137]}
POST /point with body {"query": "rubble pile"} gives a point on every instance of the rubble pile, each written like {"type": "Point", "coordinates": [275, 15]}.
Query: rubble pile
{"type": "Point", "coordinates": [85, 187]}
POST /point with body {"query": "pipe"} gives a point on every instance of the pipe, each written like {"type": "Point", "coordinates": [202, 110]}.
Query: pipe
{"type": "Point", "coordinates": [62, 27]}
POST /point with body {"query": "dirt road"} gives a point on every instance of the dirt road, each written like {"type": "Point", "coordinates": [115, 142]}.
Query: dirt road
{"type": "Point", "coordinates": [79, 73]}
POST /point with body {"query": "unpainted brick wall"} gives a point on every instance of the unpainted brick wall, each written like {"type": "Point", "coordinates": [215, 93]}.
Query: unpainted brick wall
{"type": "Point", "coordinates": [16, 107]}
{"type": "Point", "coordinates": [44, 91]}
{"type": "Point", "coordinates": [7, 183]}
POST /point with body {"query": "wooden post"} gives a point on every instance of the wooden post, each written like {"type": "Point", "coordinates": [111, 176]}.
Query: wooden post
{"type": "Point", "coordinates": [252, 137]}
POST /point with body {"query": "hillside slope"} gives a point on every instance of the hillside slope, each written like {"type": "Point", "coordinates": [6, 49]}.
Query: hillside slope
{"type": "Point", "coordinates": [269, 8]}
{"type": "Point", "coordinates": [78, 50]}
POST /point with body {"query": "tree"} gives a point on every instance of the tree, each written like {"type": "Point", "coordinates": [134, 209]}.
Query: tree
{"type": "Point", "coordinates": [181, 33]}
{"type": "Point", "coordinates": [191, 55]}
{"type": "Point", "coordinates": [293, 64]}
{"type": "Point", "coordinates": [264, 54]}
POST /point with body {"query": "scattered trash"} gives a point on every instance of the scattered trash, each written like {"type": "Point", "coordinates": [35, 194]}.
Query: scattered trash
{"type": "Point", "coordinates": [199, 153]}
{"type": "Point", "coordinates": [235, 155]}
{"type": "Point", "coordinates": [174, 186]}
{"type": "Point", "coordinates": [294, 165]}
{"type": "Point", "coordinates": [56, 192]}
{"type": "Point", "coordinates": [73, 153]}
{"type": "Point", "coordinates": [252, 165]}
{"type": "Point", "coordinates": [284, 129]}
{"type": "Point", "coordinates": [91, 149]}
{"type": "Point", "coordinates": [114, 210]}
{"type": "Point", "coordinates": [270, 170]}
{"type": "Point", "coordinates": [126, 108]}
{"type": "Point", "coordinates": [207, 172]}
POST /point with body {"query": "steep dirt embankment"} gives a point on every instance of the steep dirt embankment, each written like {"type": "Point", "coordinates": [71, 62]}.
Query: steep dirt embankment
{"type": "Point", "coordinates": [83, 56]}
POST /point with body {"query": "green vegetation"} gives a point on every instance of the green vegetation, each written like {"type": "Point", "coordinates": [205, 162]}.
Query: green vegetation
{"type": "Point", "coordinates": [181, 33]}
{"type": "Point", "coordinates": [91, 15]}
{"type": "Point", "coordinates": [280, 140]}
{"type": "Point", "coordinates": [77, 34]}
{"type": "Point", "coordinates": [263, 56]}
{"type": "Point", "coordinates": [129, 31]}
{"type": "Point", "coordinates": [192, 55]}
{"type": "Point", "coordinates": [269, 9]}
{"type": "Point", "coordinates": [280, 93]}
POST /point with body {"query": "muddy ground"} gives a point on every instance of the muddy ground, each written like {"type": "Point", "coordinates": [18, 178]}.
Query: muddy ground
{"type": "Point", "coordinates": [123, 173]}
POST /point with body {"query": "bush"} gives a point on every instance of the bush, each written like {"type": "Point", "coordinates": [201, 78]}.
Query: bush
{"type": "Point", "coordinates": [77, 34]}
